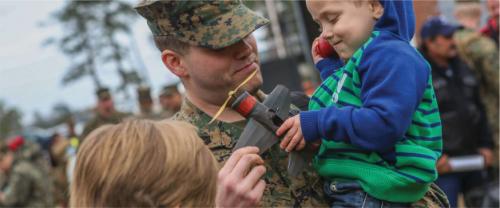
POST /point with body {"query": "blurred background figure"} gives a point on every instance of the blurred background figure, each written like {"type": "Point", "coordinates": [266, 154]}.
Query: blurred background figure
{"type": "Point", "coordinates": [58, 164]}
{"type": "Point", "coordinates": [465, 127]}
{"type": "Point", "coordinates": [27, 183]}
{"type": "Point", "coordinates": [146, 106]}
{"type": "Point", "coordinates": [105, 113]}
{"type": "Point", "coordinates": [170, 100]}
{"type": "Point", "coordinates": [480, 53]}
{"type": "Point", "coordinates": [491, 27]}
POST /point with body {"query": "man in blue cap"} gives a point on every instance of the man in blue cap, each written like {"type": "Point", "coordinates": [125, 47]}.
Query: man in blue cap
{"type": "Point", "coordinates": [465, 128]}
{"type": "Point", "coordinates": [436, 35]}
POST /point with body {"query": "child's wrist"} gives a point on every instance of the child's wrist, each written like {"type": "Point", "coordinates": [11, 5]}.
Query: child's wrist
{"type": "Point", "coordinates": [309, 126]}
{"type": "Point", "coordinates": [323, 62]}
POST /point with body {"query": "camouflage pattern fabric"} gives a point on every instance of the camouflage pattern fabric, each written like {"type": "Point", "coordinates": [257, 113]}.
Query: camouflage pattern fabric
{"type": "Point", "coordinates": [3, 179]}
{"type": "Point", "coordinates": [166, 114]}
{"type": "Point", "coordinates": [98, 121]}
{"type": "Point", "coordinates": [28, 186]}
{"type": "Point", "coordinates": [33, 153]}
{"type": "Point", "coordinates": [60, 186]}
{"type": "Point", "coordinates": [434, 198]}
{"type": "Point", "coordinates": [150, 116]}
{"type": "Point", "coordinates": [481, 54]}
{"type": "Point", "coordinates": [29, 151]}
{"type": "Point", "coordinates": [169, 90]}
{"type": "Point", "coordinates": [58, 172]}
{"type": "Point", "coordinates": [206, 23]}
{"type": "Point", "coordinates": [281, 190]}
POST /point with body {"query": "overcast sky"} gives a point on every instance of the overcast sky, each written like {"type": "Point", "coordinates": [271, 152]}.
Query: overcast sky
{"type": "Point", "coordinates": [30, 74]}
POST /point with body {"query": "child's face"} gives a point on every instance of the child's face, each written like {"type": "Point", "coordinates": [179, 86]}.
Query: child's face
{"type": "Point", "coordinates": [345, 24]}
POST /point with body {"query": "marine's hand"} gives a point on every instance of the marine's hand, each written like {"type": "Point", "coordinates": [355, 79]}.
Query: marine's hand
{"type": "Point", "coordinates": [293, 140]}
{"type": "Point", "coordinates": [239, 181]}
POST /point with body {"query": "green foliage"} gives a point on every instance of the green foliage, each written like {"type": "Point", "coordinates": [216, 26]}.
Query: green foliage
{"type": "Point", "coordinates": [61, 113]}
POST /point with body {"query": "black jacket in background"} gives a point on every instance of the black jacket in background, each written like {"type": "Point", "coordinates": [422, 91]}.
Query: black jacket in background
{"type": "Point", "coordinates": [465, 128]}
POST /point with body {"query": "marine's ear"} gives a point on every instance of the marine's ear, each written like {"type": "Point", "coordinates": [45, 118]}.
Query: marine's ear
{"type": "Point", "coordinates": [377, 9]}
{"type": "Point", "coordinates": [174, 62]}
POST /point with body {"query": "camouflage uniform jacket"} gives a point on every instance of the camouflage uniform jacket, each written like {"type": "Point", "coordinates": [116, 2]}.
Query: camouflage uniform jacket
{"type": "Point", "coordinates": [166, 114]}
{"type": "Point", "coordinates": [281, 189]}
{"type": "Point", "coordinates": [28, 186]}
{"type": "Point", "coordinates": [150, 116]}
{"type": "Point", "coordinates": [98, 121]}
{"type": "Point", "coordinates": [33, 153]}
{"type": "Point", "coordinates": [481, 54]}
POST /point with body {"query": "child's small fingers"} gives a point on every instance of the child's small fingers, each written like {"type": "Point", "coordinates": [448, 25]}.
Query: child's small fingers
{"type": "Point", "coordinates": [301, 145]}
{"type": "Point", "coordinates": [296, 139]}
{"type": "Point", "coordinates": [284, 142]}
{"type": "Point", "coordinates": [288, 137]}
{"type": "Point", "coordinates": [284, 127]}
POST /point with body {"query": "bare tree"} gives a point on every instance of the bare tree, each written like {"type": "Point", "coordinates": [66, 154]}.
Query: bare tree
{"type": "Point", "coordinates": [94, 39]}
{"type": "Point", "coordinates": [61, 113]}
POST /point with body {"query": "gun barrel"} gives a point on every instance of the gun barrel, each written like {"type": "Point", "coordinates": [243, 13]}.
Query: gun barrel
{"type": "Point", "coordinates": [248, 106]}
{"type": "Point", "coordinates": [244, 104]}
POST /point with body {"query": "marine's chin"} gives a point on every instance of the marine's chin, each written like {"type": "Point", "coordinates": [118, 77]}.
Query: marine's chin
{"type": "Point", "coordinates": [254, 84]}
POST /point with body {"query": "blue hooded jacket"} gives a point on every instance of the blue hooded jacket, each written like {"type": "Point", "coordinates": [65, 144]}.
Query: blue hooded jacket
{"type": "Point", "coordinates": [393, 78]}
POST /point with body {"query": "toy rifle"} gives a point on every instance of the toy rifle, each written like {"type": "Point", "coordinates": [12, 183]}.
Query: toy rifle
{"type": "Point", "coordinates": [264, 119]}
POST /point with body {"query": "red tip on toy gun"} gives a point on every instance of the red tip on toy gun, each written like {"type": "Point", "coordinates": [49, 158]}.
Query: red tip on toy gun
{"type": "Point", "coordinates": [324, 49]}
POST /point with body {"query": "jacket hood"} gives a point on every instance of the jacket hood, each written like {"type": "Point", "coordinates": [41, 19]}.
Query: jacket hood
{"type": "Point", "coordinates": [398, 18]}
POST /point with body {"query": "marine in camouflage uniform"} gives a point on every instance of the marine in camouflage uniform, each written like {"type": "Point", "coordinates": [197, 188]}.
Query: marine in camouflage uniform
{"type": "Point", "coordinates": [170, 100]}
{"type": "Point", "coordinates": [146, 104]}
{"type": "Point", "coordinates": [98, 120]}
{"type": "Point", "coordinates": [27, 185]}
{"type": "Point", "coordinates": [215, 25]}
{"type": "Point", "coordinates": [59, 160]}
{"type": "Point", "coordinates": [481, 54]}
{"type": "Point", "coordinates": [33, 153]}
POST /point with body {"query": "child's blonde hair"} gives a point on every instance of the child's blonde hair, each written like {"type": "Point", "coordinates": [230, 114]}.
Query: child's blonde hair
{"type": "Point", "coordinates": [144, 164]}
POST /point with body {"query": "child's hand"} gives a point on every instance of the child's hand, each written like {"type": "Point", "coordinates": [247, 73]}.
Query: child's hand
{"type": "Point", "coordinates": [315, 55]}
{"type": "Point", "coordinates": [293, 140]}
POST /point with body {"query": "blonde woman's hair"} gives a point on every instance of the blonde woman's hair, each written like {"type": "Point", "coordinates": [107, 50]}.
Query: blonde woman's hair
{"type": "Point", "coordinates": [144, 164]}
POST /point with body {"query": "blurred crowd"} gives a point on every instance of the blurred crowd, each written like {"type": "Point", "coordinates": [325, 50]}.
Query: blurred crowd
{"type": "Point", "coordinates": [36, 172]}
{"type": "Point", "coordinates": [464, 60]}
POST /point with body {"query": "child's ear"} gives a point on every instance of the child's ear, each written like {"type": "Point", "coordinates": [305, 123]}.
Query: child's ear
{"type": "Point", "coordinates": [377, 8]}
{"type": "Point", "coordinates": [174, 62]}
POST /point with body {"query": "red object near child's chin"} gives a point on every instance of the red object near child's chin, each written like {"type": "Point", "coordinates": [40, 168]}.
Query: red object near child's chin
{"type": "Point", "coordinates": [324, 49]}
